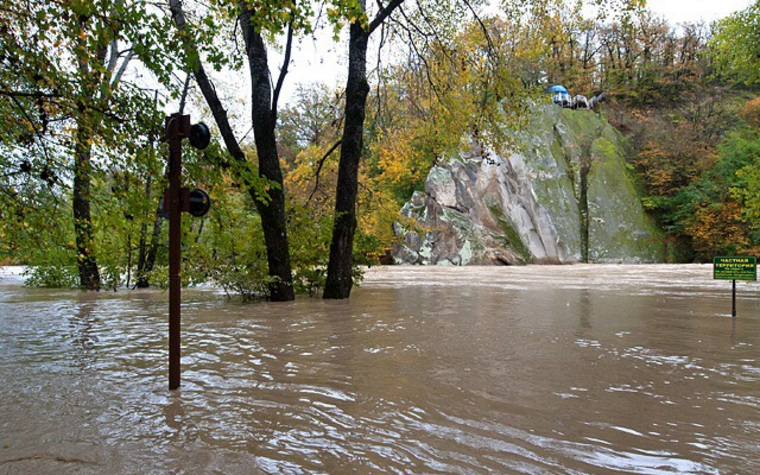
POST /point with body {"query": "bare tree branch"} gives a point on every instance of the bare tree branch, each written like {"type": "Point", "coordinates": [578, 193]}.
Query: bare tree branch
{"type": "Point", "coordinates": [4, 91]}
{"type": "Point", "coordinates": [283, 72]}
{"type": "Point", "coordinates": [383, 14]}
{"type": "Point", "coordinates": [113, 57]}
{"type": "Point", "coordinates": [491, 47]}
{"type": "Point", "coordinates": [183, 98]}
{"type": "Point", "coordinates": [117, 77]}
{"type": "Point", "coordinates": [208, 91]}
{"type": "Point", "coordinates": [319, 168]}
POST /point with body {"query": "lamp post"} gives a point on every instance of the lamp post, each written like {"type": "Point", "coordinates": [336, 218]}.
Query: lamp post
{"type": "Point", "coordinates": [176, 200]}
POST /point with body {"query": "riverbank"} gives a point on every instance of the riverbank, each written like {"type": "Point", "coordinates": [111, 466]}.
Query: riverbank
{"type": "Point", "coordinates": [591, 274]}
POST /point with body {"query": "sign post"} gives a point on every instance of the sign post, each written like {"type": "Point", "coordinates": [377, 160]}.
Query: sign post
{"type": "Point", "coordinates": [734, 268]}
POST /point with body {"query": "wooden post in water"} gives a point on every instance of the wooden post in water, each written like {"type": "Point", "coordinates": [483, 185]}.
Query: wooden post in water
{"type": "Point", "coordinates": [733, 298]}
{"type": "Point", "coordinates": [177, 200]}
{"type": "Point", "coordinates": [177, 127]}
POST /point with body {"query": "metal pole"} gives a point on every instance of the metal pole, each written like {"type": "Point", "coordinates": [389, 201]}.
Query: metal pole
{"type": "Point", "coordinates": [175, 238]}
{"type": "Point", "coordinates": [733, 298]}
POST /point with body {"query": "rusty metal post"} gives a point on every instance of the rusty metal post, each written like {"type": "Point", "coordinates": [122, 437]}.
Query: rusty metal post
{"type": "Point", "coordinates": [177, 127]}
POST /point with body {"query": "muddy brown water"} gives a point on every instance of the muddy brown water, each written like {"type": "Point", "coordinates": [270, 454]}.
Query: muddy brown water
{"type": "Point", "coordinates": [575, 369]}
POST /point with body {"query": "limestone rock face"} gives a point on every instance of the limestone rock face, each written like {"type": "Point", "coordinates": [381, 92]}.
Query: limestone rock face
{"type": "Point", "coordinates": [566, 197]}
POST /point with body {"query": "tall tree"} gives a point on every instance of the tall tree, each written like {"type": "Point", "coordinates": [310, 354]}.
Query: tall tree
{"type": "Point", "coordinates": [339, 270]}
{"type": "Point", "coordinates": [268, 192]}
{"type": "Point", "coordinates": [264, 116]}
{"type": "Point", "coordinates": [434, 24]}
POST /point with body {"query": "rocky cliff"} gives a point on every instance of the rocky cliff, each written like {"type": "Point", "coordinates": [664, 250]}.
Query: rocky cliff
{"type": "Point", "coordinates": [566, 197]}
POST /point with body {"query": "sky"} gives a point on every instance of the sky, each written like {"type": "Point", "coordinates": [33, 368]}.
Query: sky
{"type": "Point", "coordinates": [679, 11]}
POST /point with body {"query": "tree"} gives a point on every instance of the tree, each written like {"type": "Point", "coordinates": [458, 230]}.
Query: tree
{"type": "Point", "coordinates": [339, 270]}
{"type": "Point", "coordinates": [62, 84]}
{"type": "Point", "coordinates": [735, 46]}
{"type": "Point", "coordinates": [746, 144]}
{"type": "Point", "coordinates": [313, 118]}
{"type": "Point", "coordinates": [268, 190]}
{"type": "Point", "coordinates": [488, 91]}
{"type": "Point", "coordinates": [717, 210]}
{"type": "Point", "coordinates": [622, 49]}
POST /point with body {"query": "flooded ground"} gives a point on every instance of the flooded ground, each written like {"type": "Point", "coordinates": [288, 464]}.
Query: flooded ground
{"type": "Point", "coordinates": [575, 369]}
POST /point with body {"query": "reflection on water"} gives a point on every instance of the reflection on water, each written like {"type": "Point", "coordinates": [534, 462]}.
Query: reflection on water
{"type": "Point", "coordinates": [577, 369]}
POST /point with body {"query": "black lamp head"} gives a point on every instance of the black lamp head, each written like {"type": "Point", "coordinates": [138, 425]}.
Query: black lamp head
{"type": "Point", "coordinates": [199, 203]}
{"type": "Point", "coordinates": [200, 136]}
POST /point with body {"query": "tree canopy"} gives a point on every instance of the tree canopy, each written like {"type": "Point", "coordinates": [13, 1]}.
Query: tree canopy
{"type": "Point", "coordinates": [735, 45]}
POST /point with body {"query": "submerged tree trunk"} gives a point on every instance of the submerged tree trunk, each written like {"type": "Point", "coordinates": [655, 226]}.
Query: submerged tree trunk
{"type": "Point", "coordinates": [87, 123]}
{"type": "Point", "coordinates": [89, 276]}
{"type": "Point", "coordinates": [264, 115]}
{"type": "Point", "coordinates": [142, 251]}
{"type": "Point", "coordinates": [147, 262]}
{"type": "Point", "coordinates": [339, 269]}
{"type": "Point", "coordinates": [339, 278]}
{"type": "Point", "coordinates": [271, 208]}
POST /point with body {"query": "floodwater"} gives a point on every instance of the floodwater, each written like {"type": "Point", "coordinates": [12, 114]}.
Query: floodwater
{"type": "Point", "coordinates": [538, 370]}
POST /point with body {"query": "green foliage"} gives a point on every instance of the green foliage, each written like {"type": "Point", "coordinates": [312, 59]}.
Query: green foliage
{"type": "Point", "coordinates": [460, 88]}
{"type": "Point", "coordinates": [735, 47]}
{"type": "Point", "coordinates": [310, 234]}
{"type": "Point", "coordinates": [230, 251]}
{"type": "Point", "coordinates": [716, 210]}
{"type": "Point", "coordinates": [346, 11]}
{"type": "Point", "coordinates": [743, 148]}
{"type": "Point", "coordinates": [61, 91]}
{"type": "Point", "coordinates": [312, 119]}
{"type": "Point", "coordinates": [66, 105]}
{"type": "Point", "coordinates": [52, 276]}
{"type": "Point", "coordinates": [34, 232]}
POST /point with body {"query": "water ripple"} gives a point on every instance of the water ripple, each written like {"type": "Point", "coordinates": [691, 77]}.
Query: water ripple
{"type": "Point", "coordinates": [423, 371]}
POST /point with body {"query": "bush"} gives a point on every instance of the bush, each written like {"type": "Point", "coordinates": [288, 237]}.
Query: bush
{"type": "Point", "coordinates": [57, 277]}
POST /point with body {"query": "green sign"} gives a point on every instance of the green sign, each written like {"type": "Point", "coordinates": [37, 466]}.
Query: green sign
{"type": "Point", "coordinates": [735, 268]}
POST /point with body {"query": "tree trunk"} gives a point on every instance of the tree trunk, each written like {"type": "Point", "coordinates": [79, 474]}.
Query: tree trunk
{"type": "Point", "coordinates": [339, 268]}
{"type": "Point", "coordinates": [89, 277]}
{"type": "Point", "coordinates": [272, 210]}
{"type": "Point", "coordinates": [339, 278]}
{"type": "Point", "coordinates": [142, 252]}
{"type": "Point", "coordinates": [264, 114]}
{"type": "Point", "coordinates": [144, 269]}
{"type": "Point", "coordinates": [87, 124]}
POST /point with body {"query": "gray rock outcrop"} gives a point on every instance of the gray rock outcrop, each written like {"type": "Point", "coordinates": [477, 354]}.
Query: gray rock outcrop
{"type": "Point", "coordinates": [566, 197]}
